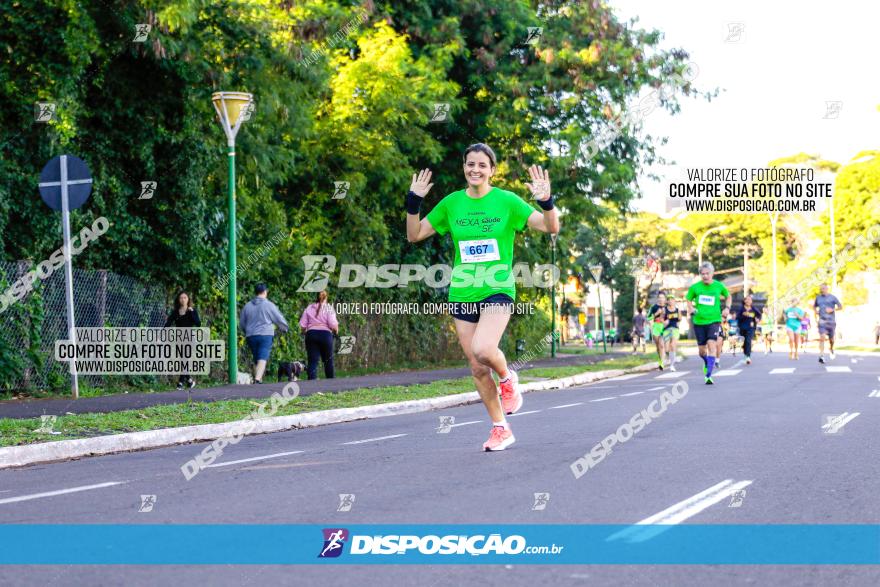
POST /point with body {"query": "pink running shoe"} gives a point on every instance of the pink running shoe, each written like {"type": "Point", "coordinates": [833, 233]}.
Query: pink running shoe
{"type": "Point", "coordinates": [511, 398]}
{"type": "Point", "coordinates": [499, 439]}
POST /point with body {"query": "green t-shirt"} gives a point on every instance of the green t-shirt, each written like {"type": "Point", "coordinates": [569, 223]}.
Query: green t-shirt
{"type": "Point", "coordinates": [707, 301]}
{"type": "Point", "coordinates": [482, 230]}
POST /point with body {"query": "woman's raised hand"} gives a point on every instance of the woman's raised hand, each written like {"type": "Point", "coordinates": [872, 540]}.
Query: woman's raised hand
{"type": "Point", "coordinates": [540, 185]}
{"type": "Point", "coordinates": [421, 183]}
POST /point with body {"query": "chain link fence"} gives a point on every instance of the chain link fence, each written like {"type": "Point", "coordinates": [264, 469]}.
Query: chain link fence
{"type": "Point", "coordinates": [30, 327]}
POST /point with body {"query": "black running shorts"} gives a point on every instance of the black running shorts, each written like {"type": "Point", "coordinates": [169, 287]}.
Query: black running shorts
{"type": "Point", "coordinates": [471, 311]}
{"type": "Point", "coordinates": [706, 332]}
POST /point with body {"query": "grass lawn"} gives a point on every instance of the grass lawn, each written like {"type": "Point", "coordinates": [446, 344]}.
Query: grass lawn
{"type": "Point", "coordinates": [163, 383]}
{"type": "Point", "coordinates": [23, 431]}
{"type": "Point", "coordinates": [853, 347]}
{"type": "Point", "coordinates": [623, 362]}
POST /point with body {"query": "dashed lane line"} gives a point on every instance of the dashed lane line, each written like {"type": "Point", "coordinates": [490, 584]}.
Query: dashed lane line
{"type": "Point", "coordinates": [374, 439]}
{"type": "Point", "coordinates": [465, 423]}
{"type": "Point", "coordinates": [251, 459]}
{"type": "Point", "coordinates": [60, 492]}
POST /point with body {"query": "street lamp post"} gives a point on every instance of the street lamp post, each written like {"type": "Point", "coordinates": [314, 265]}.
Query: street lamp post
{"type": "Point", "coordinates": [232, 108]}
{"type": "Point", "coordinates": [596, 271]}
{"type": "Point", "coordinates": [833, 249]}
{"type": "Point", "coordinates": [701, 240]}
{"type": "Point", "coordinates": [553, 297]}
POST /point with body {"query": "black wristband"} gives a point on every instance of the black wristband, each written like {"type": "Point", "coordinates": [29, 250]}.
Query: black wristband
{"type": "Point", "coordinates": [547, 204]}
{"type": "Point", "coordinates": [413, 203]}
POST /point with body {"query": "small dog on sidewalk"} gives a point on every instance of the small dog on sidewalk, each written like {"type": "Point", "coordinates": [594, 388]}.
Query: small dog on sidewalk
{"type": "Point", "coordinates": [290, 369]}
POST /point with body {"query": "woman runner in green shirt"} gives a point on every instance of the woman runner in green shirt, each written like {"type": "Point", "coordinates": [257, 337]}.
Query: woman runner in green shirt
{"type": "Point", "coordinates": [483, 221]}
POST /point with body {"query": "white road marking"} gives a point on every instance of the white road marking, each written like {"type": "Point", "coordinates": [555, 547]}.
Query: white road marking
{"type": "Point", "coordinates": [843, 369]}
{"type": "Point", "coordinates": [739, 363]}
{"type": "Point", "coordinates": [566, 406]}
{"type": "Point", "coordinates": [374, 439]}
{"type": "Point", "coordinates": [837, 422]}
{"type": "Point", "coordinates": [465, 423]}
{"type": "Point", "coordinates": [262, 458]}
{"type": "Point", "coordinates": [602, 399]}
{"type": "Point", "coordinates": [60, 492]}
{"type": "Point", "coordinates": [633, 393]}
{"type": "Point", "coordinates": [523, 413]}
{"type": "Point", "coordinates": [672, 375]}
{"type": "Point", "coordinates": [628, 376]}
{"type": "Point", "coordinates": [679, 512]}
{"type": "Point", "coordinates": [727, 372]}
{"type": "Point", "coordinates": [782, 371]}
{"type": "Point", "coordinates": [658, 387]}
{"type": "Point", "coordinates": [875, 393]}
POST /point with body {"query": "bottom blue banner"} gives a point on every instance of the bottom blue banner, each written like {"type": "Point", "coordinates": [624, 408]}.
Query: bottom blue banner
{"type": "Point", "coordinates": [439, 544]}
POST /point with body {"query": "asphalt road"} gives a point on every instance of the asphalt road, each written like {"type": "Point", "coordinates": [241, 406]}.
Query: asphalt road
{"type": "Point", "coordinates": [758, 429]}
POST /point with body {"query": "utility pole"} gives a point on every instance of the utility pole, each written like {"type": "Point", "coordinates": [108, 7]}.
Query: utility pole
{"type": "Point", "coordinates": [774, 218]}
{"type": "Point", "coordinates": [747, 248]}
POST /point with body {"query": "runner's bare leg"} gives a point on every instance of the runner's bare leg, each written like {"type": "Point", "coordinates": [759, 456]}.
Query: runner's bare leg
{"type": "Point", "coordinates": [482, 373]}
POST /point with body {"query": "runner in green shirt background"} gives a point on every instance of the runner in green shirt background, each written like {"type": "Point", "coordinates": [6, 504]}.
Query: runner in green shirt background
{"type": "Point", "coordinates": [704, 306]}
{"type": "Point", "coordinates": [483, 221]}
{"type": "Point", "coordinates": [657, 316]}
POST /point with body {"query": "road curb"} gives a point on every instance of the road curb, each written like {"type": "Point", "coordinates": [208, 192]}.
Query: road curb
{"type": "Point", "coordinates": [18, 456]}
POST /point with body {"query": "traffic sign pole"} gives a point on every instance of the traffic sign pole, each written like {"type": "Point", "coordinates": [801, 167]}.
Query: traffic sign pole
{"type": "Point", "coordinates": [68, 276]}
{"type": "Point", "coordinates": [65, 185]}
{"type": "Point", "coordinates": [596, 271]}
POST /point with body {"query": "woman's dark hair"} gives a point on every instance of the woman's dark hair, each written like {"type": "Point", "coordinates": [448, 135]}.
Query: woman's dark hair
{"type": "Point", "coordinates": [320, 299]}
{"type": "Point", "coordinates": [189, 300]}
{"type": "Point", "coordinates": [481, 148]}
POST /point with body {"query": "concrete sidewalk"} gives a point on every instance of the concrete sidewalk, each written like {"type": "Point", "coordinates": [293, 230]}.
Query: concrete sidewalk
{"type": "Point", "coordinates": [134, 401]}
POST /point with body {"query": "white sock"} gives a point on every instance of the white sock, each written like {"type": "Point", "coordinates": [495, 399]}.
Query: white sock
{"type": "Point", "coordinates": [502, 423]}
{"type": "Point", "coordinates": [259, 370]}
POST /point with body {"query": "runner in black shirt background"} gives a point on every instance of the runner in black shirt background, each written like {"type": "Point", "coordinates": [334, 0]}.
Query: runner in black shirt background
{"type": "Point", "coordinates": [747, 319]}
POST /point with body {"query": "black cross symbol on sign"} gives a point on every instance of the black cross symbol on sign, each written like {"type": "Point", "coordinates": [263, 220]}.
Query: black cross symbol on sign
{"type": "Point", "coordinates": [65, 173]}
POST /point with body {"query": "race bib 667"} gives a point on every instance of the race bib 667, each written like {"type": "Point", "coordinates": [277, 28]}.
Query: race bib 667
{"type": "Point", "coordinates": [479, 251]}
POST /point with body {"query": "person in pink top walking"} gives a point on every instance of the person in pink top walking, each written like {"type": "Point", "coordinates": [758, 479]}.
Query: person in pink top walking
{"type": "Point", "coordinates": [319, 324]}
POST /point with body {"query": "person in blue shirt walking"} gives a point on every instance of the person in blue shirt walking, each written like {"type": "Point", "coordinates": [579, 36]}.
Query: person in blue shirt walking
{"type": "Point", "coordinates": [793, 315]}
{"type": "Point", "coordinates": [258, 319]}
